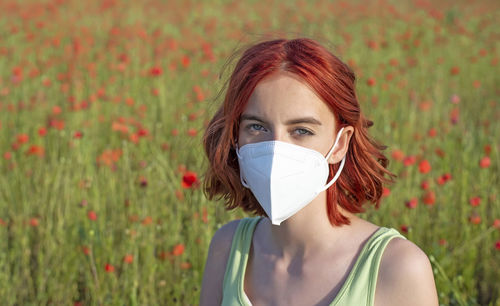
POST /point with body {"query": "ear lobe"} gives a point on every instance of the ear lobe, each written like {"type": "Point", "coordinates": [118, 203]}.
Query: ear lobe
{"type": "Point", "coordinates": [342, 146]}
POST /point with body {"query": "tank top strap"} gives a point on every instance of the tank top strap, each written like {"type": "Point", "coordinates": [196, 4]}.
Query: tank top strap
{"type": "Point", "coordinates": [359, 287]}
{"type": "Point", "coordinates": [233, 291]}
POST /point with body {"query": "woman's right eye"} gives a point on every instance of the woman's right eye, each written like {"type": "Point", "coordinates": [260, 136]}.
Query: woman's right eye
{"type": "Point", "coordinates": [255, 127]}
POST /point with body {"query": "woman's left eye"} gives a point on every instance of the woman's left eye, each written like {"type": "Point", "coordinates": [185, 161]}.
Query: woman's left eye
{"type": "Point", "coordinates": [303, 132]}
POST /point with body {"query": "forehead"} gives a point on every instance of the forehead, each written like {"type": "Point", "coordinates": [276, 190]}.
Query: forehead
{"type": "Point", "coordinates": [284, 95]}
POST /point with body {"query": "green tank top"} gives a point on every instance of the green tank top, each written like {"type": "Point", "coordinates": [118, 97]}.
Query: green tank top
{"type": "Point", "coordinates": [358, 288]}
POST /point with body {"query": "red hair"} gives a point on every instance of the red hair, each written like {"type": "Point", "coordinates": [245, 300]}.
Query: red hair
{"type": "Point", "coordinates": [365, 165]}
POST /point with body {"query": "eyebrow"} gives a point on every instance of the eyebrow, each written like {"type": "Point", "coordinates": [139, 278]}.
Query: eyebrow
{"type": "Point", "coordinates": [309, 120]}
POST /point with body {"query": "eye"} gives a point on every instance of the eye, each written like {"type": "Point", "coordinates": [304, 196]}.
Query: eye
{"type": "Point", "coordinates": [255, 127]}
{"type": "Point", "coordinates": [302, 131]}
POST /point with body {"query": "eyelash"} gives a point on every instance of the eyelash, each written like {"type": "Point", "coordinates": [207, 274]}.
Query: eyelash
{"type": "Point", "coordinates": [307, 132]}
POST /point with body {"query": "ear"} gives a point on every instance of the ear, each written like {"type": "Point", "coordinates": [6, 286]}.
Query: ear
{"type": "Point", "coordinates": [341, 149]}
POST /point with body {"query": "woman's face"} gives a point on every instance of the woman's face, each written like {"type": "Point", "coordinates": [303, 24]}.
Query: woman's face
{"type": "Point", "coordinates": [283, 108]}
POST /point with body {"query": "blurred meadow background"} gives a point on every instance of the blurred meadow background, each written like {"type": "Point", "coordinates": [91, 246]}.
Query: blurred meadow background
{"type": "Point", "coordinates": [103, 105]}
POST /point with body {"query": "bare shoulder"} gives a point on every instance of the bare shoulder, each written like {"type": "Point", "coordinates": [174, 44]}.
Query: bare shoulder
{"type": "Point", "coordinates": [405, 276]}
{"type": "Point", "coordinates": [215, 265]}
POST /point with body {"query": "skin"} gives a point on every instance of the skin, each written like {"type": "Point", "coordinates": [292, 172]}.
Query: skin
{"type": "Point", "coordinates": [306, 260]}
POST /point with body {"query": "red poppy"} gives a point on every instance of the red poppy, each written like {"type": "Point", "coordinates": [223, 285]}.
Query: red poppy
{"type": "Point", "coordinates": [424, 185]}
{"type": "Point", "coordinates": [128, 258]}
{"type": "Point", "coordinates": [404, 228]}
{"type": "Point", "coordinates": [424, 166]}
{"type": "Point", "coordinates": [22, 138]}
{"type": "Point", "coordinates": [92, 215]}
{"type": "Point", "coordinates": [496, 223]}
{"type": "Point", "coordinates": [34, 222]}
{"type": "Point", "coordinates": [109, 268]}
{"type": "Point", "coordinates": [454, 70]}
{"type": "Point", "coordinates": [443, 178]}
{"type": "Point", "coordinates": [398, 155]}
{"type": "Point", "coordinates": [77, 135]}
{"type": "Point", "coordinates": [412, 203]}
{"type": "Point", "coordinates": [497, 245]}
{"type": "Point", "coordinates": [185, 61]}
{"type": "Point", "coordinates": [485, 162]}
{"type": "Point", "coordinates": [370, 82]}
{"type": "Point", "coordinates": [475, 201]}
{"type": "Point", "coordinates": [189, 179]}
{"type": "Point", "coordinates": [56, 110]}
{"type": "Point", "coordinates": [487, 149]}
{"type": "Point", "coordinates": [155, 71]}
{"type": "Point", "coordinates": [178, 249]}
{"type": "Point", "coordinates": [85, 250]}
{"type": "Point", "coordinates": [147, 220]}
{"type": "Point", "coordinates": [42, 131]}
{"type": "Point", "coordinates": [386, 192]}
{"type": "Point", "coordinates": [36, 150]}
{"type": "Point", "coordinates": [475, 218]}
{"type": "Point", "coordinates": [409, 160]}
{"type": "Point", "coordinates": [429, 198]}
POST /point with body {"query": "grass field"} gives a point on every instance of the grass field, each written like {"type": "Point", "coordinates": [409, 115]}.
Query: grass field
{"type": "Point", "coordinates": [103, 105]}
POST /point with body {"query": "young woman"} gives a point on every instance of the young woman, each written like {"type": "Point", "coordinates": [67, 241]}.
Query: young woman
{"type": "Point", "coordinates": [290, 144]}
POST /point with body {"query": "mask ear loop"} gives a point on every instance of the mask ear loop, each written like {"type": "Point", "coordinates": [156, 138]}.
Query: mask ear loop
{"type": "Point", "coordinates": [341, 163]}
{"type": "Point", "coordinates": [241, 175]}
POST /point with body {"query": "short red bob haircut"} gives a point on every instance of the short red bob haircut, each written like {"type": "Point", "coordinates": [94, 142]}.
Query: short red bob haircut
{"type": "Point", "coordinates": [333, 81]}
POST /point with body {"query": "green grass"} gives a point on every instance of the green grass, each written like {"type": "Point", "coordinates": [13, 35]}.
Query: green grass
{"type": "Point", "coordinates": [142, 209]}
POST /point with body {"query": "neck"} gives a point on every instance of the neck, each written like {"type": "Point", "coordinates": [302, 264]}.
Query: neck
{"type": "Point", "coordinates": [308, 232]}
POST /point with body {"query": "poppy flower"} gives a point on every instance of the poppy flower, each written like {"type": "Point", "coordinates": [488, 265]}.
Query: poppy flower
{"type": "Point", "coordinates": [185, 61]}
{"type": "Point", "coordinates": [22, 138]}
{"type": "Point", "coordinates": [475, 218]}
{"type": "Point", "coordinates": [128, 258]}
{"type": "Point", "coordinates": [455, 99]}
{"type": "Point", "coordinates": [424, 166]}
{"type": "Point", "coordinates": [34, 222]}
{"type": "Point", "coordinates": [189, 179]}
{"type": "Point", "coordinates": [454, 70]}
{"type": "Point", "coordinates": [42, 131]}
{"type": "Point", "coordinates": [487, 149]}
{"type": "Point", "coordinates": [370, 82]}
{"type": "Point", "coordinates": [109, 268]}
{"type": "Point", "coordinates": [178, 249]}
{"type": "Point", "coordinates": [92, 215]}
{"type": "Point", "coordinates": [85, 250]}
{"type": "Point", "coordinates": [424, 185]}
{"type": "Point", "coordinates": [443, 178]}
{"type": "Point", "coordinates": [77, 135]}
{"type": "Point", "coordinates": [496, 223]}
{"type": "Point", "coordinates": [35, 150]}
{"type": "Point", "coordinates": [475, 201]}
{"type": "Point", "coordinates": [409, 160]}
{"type": "Point", "coordinates": [412, 203]}
{"type": "Point", "coordinates": [56, 110]}
{"type": "Point", "coordinates": [429, 198]}
{"type": "Point", "coordinates": [386, 192]}
{"type": "Point", "coordinates": [497, 245]}
{"type": "Point", "coordinates": [398, 155]}
{"type": "Point", "coordinates": [485, 162]}
{"type": "Point", "coordinates": [404, 228]}
{"type": "Point", "coordinates": [155, 71]}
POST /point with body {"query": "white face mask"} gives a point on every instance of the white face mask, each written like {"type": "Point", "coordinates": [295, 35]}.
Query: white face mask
{"type": "Point", "coordinates": [284, 177]}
